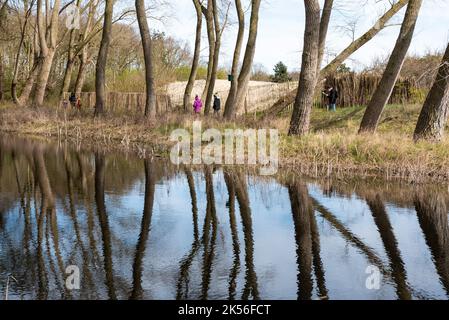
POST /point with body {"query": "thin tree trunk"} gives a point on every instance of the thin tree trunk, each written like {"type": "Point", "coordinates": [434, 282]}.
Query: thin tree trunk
{"type": "Point", "coordinates": [216, 56]}
{"type": "Point", "coordinates": [100, 72]}
{"type": "Point", "coordinates": [435, 112]}
{"type": "Point", "coordinates": [245, 72]}
{"type": "Point", "coordinates": [209, 15]}
{"type": "Point", "coordinates": [385, 88]}
{"type": "Point", "coordinates": [84, 51]}
{"type": "Point", "coordinates": [19, 49]}
{"type": "Point", "coordinates": [69, 66]}
{"type": "Point", "coordinates": [150, 104]}
{"type": "Point", "coordinates": [196, 56]}
{"type": "Point", "coordinates": [324, 27]}
{"type": "Point", "coordinates": [81, 74]}
{"type": "Point", "coordinates": [300, 121]}
{"type": "Point", "coordinates": [2, 77]}
{"type": "Point", "coordinates": [230, 102]}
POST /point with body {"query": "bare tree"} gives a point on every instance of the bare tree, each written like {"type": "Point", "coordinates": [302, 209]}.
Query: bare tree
{"type": "Point", "coordinates": [150, 104]}
{"type": "Point", "coordinates": [218, 29]}
{"type": "Point", "coordinates": [100, 72]}
{"type": "Point", "coordinates": [385, 88]}
{"type": "Point", "coordinates": [235, 61]}
{"type": "Point", "coordinates": [70, 59]}
{"type": "Point", "coordinates": [208, 13]}
{"type": "Point", "coordinates": [300, 120]}
{"type": "Point", "coordinates": [324, 27]}
{"type": "Point", "coordinates": [3, 8]}
{"type": "Point", "coordinates": [379, 25]}
{"type": "Point", "coordinates": [245, 71]}
{"type": "Point", "coordinates": [83, 46]}
{"type": "Point", "coordinates": [196, 56]}
{"type": "Point", "coordinates": [435, 112]}
{"type": "Point", "coordinates": [23, 26]}
{"type": "Point", "coordinates": [48, 35]}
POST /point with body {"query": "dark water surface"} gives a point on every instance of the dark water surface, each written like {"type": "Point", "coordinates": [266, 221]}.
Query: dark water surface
{"type": "Point", "coordinates": [144, 229]}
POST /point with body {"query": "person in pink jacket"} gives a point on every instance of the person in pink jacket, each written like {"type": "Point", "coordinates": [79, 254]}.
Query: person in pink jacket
{"type": "Point", "coordinates": [197, 105]}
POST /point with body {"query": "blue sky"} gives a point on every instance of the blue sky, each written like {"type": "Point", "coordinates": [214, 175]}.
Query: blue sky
{"type": "Point", "coordinates": [282, 26]}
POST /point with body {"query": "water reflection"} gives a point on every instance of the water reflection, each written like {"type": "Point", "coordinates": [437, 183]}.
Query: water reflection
{"type": "Point", "coordinates": [142, 229]}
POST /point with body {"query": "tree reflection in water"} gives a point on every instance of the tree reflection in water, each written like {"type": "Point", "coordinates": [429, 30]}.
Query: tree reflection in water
{"type": "Point", "coordinates": [211, 238]}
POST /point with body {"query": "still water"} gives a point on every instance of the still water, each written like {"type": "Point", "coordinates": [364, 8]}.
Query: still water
{"type": "Point", "coordinates": [143, 229]}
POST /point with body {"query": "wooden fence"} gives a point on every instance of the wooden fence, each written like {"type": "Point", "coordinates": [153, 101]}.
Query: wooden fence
{"type": "Point", "coordinates": [130, 102]}
{"type": "Point", "coordinates": [353, 90]}
{"type": "Point", "coordinates": [258, 98]}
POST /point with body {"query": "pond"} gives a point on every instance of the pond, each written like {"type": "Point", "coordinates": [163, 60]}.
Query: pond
{"type": "Point", "coordinates": [134, 228]}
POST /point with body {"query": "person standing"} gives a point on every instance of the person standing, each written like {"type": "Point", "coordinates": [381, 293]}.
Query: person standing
{"type": "Point", "coordinates": [217, 103]}
{"type": "Point", "coordinates": [73, 100]}
{"type": "Point", "coordinates": [197, 105]}
{"type": "Point", "coordinates": [332, 95]}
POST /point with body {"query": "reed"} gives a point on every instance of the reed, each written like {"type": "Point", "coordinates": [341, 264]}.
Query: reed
{"type": "Point", "coordinates": [332, 149]}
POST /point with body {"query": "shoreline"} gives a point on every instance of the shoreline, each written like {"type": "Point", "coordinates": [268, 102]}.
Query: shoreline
{"type": "Point", "coordinates": [337, 154]}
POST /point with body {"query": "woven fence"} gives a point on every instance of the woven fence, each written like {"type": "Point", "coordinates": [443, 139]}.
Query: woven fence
{"type": "Point", "coordinates": [357, 90]}
{"type": "Point", "coordinates": [129, 102]}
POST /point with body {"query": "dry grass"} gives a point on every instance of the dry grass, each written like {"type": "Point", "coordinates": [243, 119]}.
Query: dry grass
{"type": "Point", "coordinates": [333, 148]}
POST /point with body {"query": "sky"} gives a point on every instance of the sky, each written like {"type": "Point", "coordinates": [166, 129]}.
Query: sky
{"type": "Point", "coordinates": [281, 28]}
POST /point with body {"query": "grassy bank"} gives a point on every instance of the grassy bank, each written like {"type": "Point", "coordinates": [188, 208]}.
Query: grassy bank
{"type": "Point", "coordinates": [333, 148]}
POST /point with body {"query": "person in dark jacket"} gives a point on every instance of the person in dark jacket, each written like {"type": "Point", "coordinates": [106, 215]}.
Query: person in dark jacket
{"type": "Point", "coordinates": [73, 99]}
{"type": "Point", "coordinates": [332, 95]}
{"type": "Point", "coordinates": [217, 103]}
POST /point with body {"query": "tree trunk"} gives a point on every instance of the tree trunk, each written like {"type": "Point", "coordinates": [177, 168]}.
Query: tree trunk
{"type": "Point", "coordinates": [150, 104]}
{"type": "Point", "coordinates": [84, 50]}
{"type": "Point", "coordinates": [42, 78]}
{"type": "Point", "coordinates": [16, 63]}
{"type": "Point", "coordinates": [435, 112]}
{"type": "Point", "coordinates": [28, 87]}
{"type": "Point", "coordinates": [69, 66]}
{"type": "Point", "coordinates": [230, 102]}
{"type": "Point", "coordinates": [216, 56]}
{"type": "Point", "coordinates": [2, 77]}
{"type": "Point", "coordinates": [324, 27]}
{"type": "Point", "coordinates": [209, 15]}
{"type": "Point", "coordinates": [81, 74]}
{"type": "Point", "coordinates": [100, 72]}
{"type": "Point", "coordinates": [300, 121]}
{"type": "Point", "coordinates": [385, 88]}
{"type": "Point", "coordinates": [196, 57]}
{"type": "Point", "coordinates": [245, 72]}
{"type": "Point", "coordinates": [48, 35]}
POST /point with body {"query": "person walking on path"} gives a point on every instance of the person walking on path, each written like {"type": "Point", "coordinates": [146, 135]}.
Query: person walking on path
{"type": "Point", "coordinates": [197, 105]}
{"type": "Point", "coordinates": [217, 103]}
